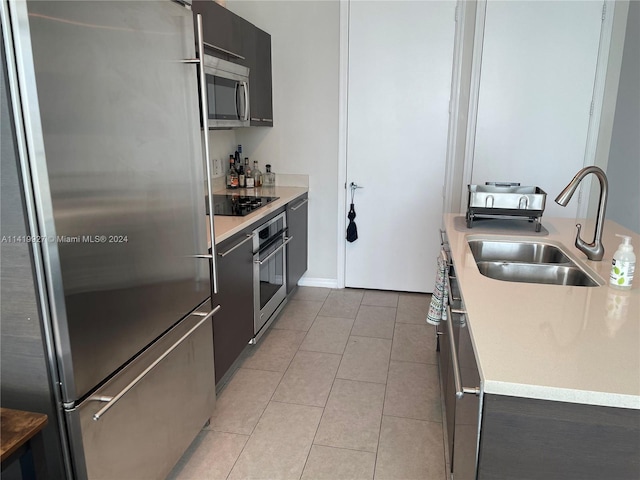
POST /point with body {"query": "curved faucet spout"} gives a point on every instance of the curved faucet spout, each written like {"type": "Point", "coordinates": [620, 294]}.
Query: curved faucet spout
{"type": "Point", "coordinates": [595, 249]}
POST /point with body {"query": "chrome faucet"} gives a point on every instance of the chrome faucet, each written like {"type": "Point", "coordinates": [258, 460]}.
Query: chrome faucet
{"type": "Point", "coordinates": [595, 249]}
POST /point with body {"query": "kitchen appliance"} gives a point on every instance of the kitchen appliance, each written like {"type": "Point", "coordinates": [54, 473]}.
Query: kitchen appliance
{"type": "Point", "coordinates": [235, 205]}
{"type": "Point", "coordinates": [269, 271]}
{"type": "Point", "coordinates": [458, 367]}
{"type": "Point", "coordinates": [227, 86]}
{"type": "Point", "coordinates": [107, 125]}
{"type": "Point", "coordinates": [505, 200]}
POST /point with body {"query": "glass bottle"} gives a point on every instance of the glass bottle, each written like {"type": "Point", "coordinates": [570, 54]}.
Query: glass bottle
{"type": "Point", "coordinates": [232, 176]}
{"type": "Point", "coordinates": [248, 174]}
{"type": "Point", "coordinates": [236, 161]}
{"type": "Point", "coordinates": [241, 178]}
{"type": "Point", "coordinates": [257, 174]}
{"type": "Point", "coordinates": [269, 178]}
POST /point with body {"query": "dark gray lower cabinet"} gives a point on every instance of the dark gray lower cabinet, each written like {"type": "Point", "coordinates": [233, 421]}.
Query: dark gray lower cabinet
{"type": "Point", "coordinates": [297, 223]}
{"type": "Point", "coordinates": [532, 439]}
{"type": "Point", "coordinates": [233, 325]}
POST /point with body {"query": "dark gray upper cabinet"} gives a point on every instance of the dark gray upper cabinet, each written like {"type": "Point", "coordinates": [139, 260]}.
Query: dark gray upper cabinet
{"type": "Point", "coordinates": [228, 36]}
{"type": "Point", "coordinates": [257, 51]}
{"type": "Point", "coordinates": [297, 224]}
{"type": "Point", "coordinates": [221, 30]}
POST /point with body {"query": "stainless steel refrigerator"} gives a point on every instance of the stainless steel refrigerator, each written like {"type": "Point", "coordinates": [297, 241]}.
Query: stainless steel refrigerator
{"type": "Point", "coordinates": [110, 158]}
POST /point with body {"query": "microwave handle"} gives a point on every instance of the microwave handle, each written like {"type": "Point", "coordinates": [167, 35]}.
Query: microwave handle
{"type": "Point", "coordinates": [242, 103]}
{"type": "Point", "coordinates": [245, 87]}
{"type": "Point", "coordinates": [239, 102]}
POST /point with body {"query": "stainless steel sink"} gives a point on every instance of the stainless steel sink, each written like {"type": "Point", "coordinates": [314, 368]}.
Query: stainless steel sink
{"type": "Point", "coordinates": [504, 251]}
{"type": "Point", "coordinates": [537, 273]}
{"type": "Point", "coordinates": [528, 262]}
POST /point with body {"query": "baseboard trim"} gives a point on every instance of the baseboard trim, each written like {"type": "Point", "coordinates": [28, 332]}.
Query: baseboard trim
{"type": "Point", "coordinates": [318, 282]}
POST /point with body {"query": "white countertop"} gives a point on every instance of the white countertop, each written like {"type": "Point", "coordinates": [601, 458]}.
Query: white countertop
{"type": "Point", "coordinates": [564, 343]}
{"type": "Point", "coordinates": [227, 227]}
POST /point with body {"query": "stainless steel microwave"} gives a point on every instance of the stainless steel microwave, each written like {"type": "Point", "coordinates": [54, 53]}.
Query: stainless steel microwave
{"type": "Point", "coordinates": [227, 93]}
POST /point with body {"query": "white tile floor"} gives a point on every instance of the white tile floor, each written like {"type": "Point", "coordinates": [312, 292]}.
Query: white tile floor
{"type": "Point", "coordinates": [344, 386]}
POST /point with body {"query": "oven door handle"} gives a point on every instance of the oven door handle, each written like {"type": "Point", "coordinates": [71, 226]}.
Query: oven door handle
{"type": "Point", "coordinates": [286, 240]}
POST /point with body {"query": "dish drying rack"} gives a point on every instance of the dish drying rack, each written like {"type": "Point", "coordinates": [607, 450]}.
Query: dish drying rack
{"type": "Point", "coordinates": [505, 200]}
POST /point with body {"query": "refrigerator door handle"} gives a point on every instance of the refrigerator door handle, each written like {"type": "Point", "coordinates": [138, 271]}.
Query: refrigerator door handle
{"type": "Point", "coordinates": [204, 117]}
{"type": "Point", "coordinates": [111, 401]}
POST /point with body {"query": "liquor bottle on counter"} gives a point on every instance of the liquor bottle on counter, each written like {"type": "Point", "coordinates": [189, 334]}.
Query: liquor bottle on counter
{"type": "Point", "coordinates": [269, 178]}
{"type": "Point", "coordinates": [248, 174]}
{"type": "Point", "coordinates": [236, 161]}
{"type": "Point", "coordinates": [241, 178]}
{"type": "Point", "coordinates": [232, 176]}
{"type": "Point", "coordinates": [238, 158]}
{"type": "Point", "coordinates": [257, 174]}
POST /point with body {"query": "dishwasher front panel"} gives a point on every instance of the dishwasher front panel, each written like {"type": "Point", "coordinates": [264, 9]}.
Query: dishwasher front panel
{"type": "Point", "coordinates": [468, 408]}
{"type": "Point", "coordinates": [148, 429]}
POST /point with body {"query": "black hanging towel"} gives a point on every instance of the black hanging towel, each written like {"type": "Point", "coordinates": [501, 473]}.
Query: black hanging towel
{"type": "Point", "coordinates": [352, 229]}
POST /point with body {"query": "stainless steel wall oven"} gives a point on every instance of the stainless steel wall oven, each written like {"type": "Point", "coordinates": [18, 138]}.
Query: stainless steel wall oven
{"type": "Point", "coordinates": [269, 270]}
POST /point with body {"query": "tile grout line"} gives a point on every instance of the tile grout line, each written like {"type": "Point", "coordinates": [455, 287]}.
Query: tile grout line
{"type": "Point", "coordinates": [445, 445]}
{"type": "Point", "coordinates": [414, 363]}
{"type": "Point", "coordinates": [415, 419]}
{"type": "Point", "coordinates": [306, 460]}
{"type": "Point", "coordinates": [369, 382]}
{"type": "Point", "coordinates": [375, 463]}
{"type": "Point", "coordinates": [254, 427]}
{"type": "Point", "coordinates": [270, 398]}
{"type": "Point", "coordinates": [330, 390]}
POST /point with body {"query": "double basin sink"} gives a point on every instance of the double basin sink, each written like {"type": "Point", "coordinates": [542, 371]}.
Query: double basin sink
{"type": "Point", "coordinates": [528, 262]}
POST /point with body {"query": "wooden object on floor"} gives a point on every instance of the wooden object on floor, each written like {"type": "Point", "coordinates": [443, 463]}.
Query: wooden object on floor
{"type": "Point", "coordinates": [20, 438]}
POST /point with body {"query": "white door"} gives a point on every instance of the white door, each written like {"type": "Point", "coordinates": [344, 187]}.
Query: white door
{"type": "Point", "coordinates": [536, 87]}
{"type": "Point", "coordinates": [400, 62]}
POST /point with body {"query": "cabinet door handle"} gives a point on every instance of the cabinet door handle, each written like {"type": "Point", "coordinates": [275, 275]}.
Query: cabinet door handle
{"type": "Point", "coordinates": [286, 240]}
{"type": "Point", "coordinates": [249, 237]}
{"type": "Point", "coordinates": [457, 378]}
{"type": "Point", "coordinates": [293, 209]}
{"type": "Point", "coordinates": [111, 401]}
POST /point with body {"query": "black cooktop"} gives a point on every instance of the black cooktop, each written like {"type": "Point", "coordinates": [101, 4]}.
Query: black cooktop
{"type": "Point", "coordinates": [236, 205]}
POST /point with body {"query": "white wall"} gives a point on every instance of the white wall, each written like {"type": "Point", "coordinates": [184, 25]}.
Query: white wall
{"type": "Point", "coordinates": [305, 44]}
{"type": "Point", "coordinates": [623, 169]}
{"type": "Point", "coordinates": [306, 78]}
{"type": "Point", "coordinates": [537, 77]}
{"type": "Point", "coordinates": [222, 143]}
